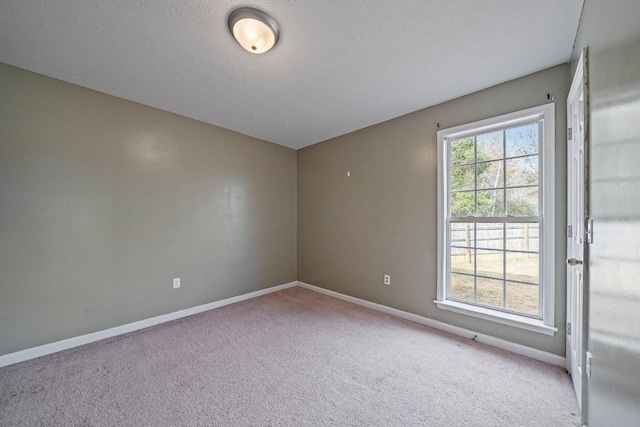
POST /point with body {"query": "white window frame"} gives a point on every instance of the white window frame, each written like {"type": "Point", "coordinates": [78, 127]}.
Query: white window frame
{"type": "Point", "coordinates": [546, 177]}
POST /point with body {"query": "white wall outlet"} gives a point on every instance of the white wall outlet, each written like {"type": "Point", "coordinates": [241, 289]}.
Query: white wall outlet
{"type": "Point", "coordinates": [176, 283]}
{"type": "Point", "coordinates": [387, 279]}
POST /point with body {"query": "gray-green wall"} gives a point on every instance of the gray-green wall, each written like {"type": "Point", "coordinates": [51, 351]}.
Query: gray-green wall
{"type": "Point", "coordinates": [383, 219]}
{"type": "Point", "coordinates": [103, 201]}
{"type": "Point", "coordinates": [611, 32]}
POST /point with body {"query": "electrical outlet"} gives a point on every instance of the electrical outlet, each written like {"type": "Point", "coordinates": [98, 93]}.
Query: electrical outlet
{"type": "Point", "coordinates": [176, 283]}
{"type": "Point", "coordinates": [387, 280]}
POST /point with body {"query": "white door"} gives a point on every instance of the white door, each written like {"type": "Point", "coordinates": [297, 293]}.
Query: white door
{"type": "Point", "coordinates": [576, 230]}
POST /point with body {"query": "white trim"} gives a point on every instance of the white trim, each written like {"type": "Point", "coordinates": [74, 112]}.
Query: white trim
{"type": "Point", "coordinates": [533, 353]}
{"type": "Point", "coordinates": [547, 220]}
{"type": "Point", "coordinates": [548, 186]}
{"type": "Point", "coordinates": [522, 322]}
{"type": "Point", "coordinates": [516, 116]}
{"type": "Point", "coordinates": [43, 350]}
{"type": "Point", "coordinates": [442, 242]}
{"type": "Point", "coordinates": [487, 125]}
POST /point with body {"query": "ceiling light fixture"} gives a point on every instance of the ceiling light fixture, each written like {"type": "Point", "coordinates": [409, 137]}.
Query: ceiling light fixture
{"type": "Point", "coordinates": [256, 31]}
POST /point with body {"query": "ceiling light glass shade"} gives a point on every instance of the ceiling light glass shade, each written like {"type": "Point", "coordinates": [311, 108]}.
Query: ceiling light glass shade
{"type": "Point", "coordinates": [256, 31]}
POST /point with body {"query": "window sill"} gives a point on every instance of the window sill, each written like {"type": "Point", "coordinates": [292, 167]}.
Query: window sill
{"type": "Point", "coordinates": [533, 325]}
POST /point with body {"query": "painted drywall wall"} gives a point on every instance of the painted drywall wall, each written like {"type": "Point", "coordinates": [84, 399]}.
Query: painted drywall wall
{"type": "Point", "coordinates": [383, 218]}
{"type": "Point", "coordinates": [104, 201]}
{"type": "Point", "coordinates": [611, 33]}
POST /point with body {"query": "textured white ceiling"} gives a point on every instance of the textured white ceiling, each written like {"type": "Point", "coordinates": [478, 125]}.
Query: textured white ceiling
{"type": "Point", "coordinates": [339, 66]}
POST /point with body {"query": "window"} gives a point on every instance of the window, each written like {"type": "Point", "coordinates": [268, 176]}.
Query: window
{"type": "Point", "coordinates": [496, 219]}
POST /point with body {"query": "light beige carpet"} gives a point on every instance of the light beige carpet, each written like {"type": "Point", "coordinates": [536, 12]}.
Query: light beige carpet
{"type": "Point", "coordinates": [295, 358]}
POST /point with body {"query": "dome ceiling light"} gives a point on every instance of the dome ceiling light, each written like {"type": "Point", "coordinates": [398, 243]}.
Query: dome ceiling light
{"type": "Point", "coordinates": [254, 30]}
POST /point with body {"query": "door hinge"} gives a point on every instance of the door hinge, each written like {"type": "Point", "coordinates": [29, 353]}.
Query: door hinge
{"type": "Point", "coordinates": [589, 231]}
{"type": "Point", "coordinates": [569, 133]}
{"type": "Point", "coordinates": [569, 231]}
{"type": "Point", "coordinates": [568, 328]}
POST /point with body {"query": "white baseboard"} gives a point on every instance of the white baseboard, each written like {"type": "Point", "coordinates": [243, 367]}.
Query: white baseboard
{"type": "Point", "coordinates": [533, 353]}
{"type": "Point", "coordinates": [43, 350]}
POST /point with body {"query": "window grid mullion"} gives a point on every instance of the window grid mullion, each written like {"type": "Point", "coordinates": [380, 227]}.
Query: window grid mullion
{"type": "Point", "coordinates": [475, 176]}
{"type": "Point", "coordinates": [475, 263]}
{"type": "Point", "coordinates": [504, 265]}
{"type": "Point", "coordinates": [540, 226]}
{"type": "Point", "coordinates": [504, 225]}
{"type": "Point", "coordinates": [447, 287]}
{"type": "Point", "coordinates": [496, 219]}
{"type": "Point", "coordinates": [475, 225]}
{"type": "Point", "coordinates": [498, 188]}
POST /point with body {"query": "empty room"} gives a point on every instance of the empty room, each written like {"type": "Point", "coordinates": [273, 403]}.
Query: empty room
{"type": "Point", "coordinates": [331, 213]}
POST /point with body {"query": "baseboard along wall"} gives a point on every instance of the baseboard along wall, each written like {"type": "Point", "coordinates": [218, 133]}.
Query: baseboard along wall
{"type": "Point", "coordinates": [533, 353]}
{"type": "Point", "coordinates": [43, 350]}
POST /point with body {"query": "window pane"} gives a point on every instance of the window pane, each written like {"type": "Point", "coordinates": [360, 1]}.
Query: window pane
{"type": "Point", "coordinates": [489, 146]}
{"type": "Point", "coordinates": [522, 201]}
{"type": "Point", "coordinates": [491, 203]}
{"type": "Point", "coordinates": [461, 287]}
{"type": "Point", "coordinates": [462, 260]}
{"type": "Point", "coordinates": [463, 204]}
{"type": "Point", "coordinates": [462, 177]}
{"type": "Point", "coordinates": [462, 151]}
{"type": "Point", "coordinates": [490, 174]}
{"type": "Point", "coordinates": [522, 171]}
{"type": "Point", "coordinates": [461, 234]}
{"type": "Point", "coordinates": [490, 263]}
{"type": "Point", "coordinates": [523, 236]}
{"type": "Point", "coordinates": [490, 236]}
{"type": "Point", "coordinates": [490, 292]}
{"type": "Point", "coordinates": [522, 140]}
{"type": "Point", "coordinates": [523, 298]}
{"type": "Point", "coordinates": [523, 267]}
